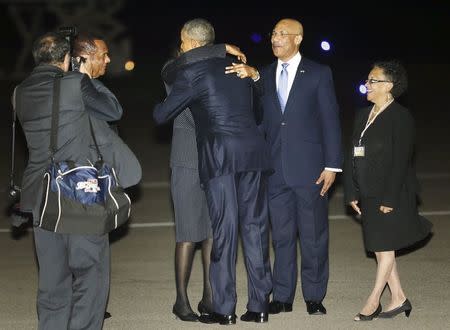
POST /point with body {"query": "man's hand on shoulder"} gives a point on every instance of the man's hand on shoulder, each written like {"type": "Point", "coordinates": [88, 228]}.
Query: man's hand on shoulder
{"type": "Point", "coordinates": [236, 51]}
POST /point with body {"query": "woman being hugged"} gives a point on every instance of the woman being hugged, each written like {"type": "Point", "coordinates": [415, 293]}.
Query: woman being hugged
{"type": "Point", "coordinates": [381, 184]}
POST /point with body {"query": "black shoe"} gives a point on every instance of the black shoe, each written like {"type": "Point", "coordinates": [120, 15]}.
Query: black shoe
{"type": "Point", "coordinates": [315, 308]}
{"type": "Point", "coordinates": [405, 307]}
{"type": "Point", "coordinates": [188, 317]}
{"type": "Point", "coordinates": [218, 318]}
{"type": "Point", "coordinates": [276, 307]}
{"type": "Point", "coordinates": [107, 315]}
{"type": "Point", "coordinates": [202, 309]}
{"type": "Point", "coordinates": [258, 317]}
{"type": "Point", "coordinates": [374, 315]}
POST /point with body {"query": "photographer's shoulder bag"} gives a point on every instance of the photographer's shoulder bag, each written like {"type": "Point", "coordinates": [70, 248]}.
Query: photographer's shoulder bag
{"type": "Point", "coordinates": [80, 199]}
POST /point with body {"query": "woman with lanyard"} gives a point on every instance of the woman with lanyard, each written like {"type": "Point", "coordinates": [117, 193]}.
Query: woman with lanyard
{"type": "Point", "coordinates": [380, 184]}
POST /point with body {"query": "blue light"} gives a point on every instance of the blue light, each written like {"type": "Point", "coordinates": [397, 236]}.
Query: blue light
{"type": "Point", "coordinates": [362, 89]}
{"type": "Point", "coordinates": [325, 45]}
{"type": "Point", "coordinates": [256, 38]}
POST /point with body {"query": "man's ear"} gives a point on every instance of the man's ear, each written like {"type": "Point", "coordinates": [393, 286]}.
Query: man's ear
{"type": "Point", "coordinates": [195, 43]}
{"type": "Point", "coordinates": [298, 39]}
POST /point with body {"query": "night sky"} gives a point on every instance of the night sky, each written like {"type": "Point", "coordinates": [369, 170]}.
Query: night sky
{"type": "Point", "coordinates": [359, 34]}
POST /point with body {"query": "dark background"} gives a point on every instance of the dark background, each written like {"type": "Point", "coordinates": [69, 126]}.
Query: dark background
{"type": "Point", "coordinates": [360, 34]}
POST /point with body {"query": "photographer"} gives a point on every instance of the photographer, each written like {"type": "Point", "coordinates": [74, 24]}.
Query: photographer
{"type": "Point", "coordinates": [73, 269]}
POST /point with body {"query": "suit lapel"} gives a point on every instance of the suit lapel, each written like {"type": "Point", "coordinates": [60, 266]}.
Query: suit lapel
{"type": "Point", "coordinates": [298, 77]}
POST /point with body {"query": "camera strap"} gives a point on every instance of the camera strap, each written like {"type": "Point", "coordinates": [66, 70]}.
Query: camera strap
{"type": "Point", "coordinates": [13, 136]}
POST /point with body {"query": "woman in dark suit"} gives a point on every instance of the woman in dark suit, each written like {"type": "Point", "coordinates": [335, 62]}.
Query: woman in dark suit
{"type": "Point", "coordinates": [381, 185]}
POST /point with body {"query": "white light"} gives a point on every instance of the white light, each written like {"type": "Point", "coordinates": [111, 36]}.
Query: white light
{"type": "Point", "coordinates": [362, 89]}
{"type": "Point", "coordinates": [129, 65]}
{"type": "Point", "coordinates": [325, 45]}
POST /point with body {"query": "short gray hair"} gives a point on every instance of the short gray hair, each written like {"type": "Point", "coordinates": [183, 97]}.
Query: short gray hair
{"type": "Point", "coordinates": [200, 30]}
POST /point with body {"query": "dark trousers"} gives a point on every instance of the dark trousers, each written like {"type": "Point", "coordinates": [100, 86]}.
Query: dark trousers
{"type": "Point", "coordinates": [239, 202]}
{"type": "Point", "coordinates": [303, 212]}
{"type": "Point", "coordinates": [74, 275]}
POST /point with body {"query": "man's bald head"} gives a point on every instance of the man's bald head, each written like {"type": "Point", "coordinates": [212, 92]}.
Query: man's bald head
{"type": "Point", "coordinates": [291, 24]}
{"type": "Point", "coordinates": [286, 38]}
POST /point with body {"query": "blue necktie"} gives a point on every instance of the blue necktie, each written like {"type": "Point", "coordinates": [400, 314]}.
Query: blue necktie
{"type": "Point", "coordinates": [283, 86]}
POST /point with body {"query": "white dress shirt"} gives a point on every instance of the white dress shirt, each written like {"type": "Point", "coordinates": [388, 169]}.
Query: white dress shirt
{"type": "Point", "coordinates": [291, 70]}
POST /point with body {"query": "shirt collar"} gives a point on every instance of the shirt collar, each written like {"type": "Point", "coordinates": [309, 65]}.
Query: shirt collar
{"type": "Point", "coordinates": [293, 62]}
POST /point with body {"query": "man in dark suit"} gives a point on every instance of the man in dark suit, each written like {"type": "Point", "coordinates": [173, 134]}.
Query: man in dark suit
{"type": "Point", "coordinates": [192, 221]}
{"type": "Point", "coordinates": [301, 123]}
{"type": "Point", "coordinates": [232, 158]}
{"type": "Point", "coordinates": [73, 269]}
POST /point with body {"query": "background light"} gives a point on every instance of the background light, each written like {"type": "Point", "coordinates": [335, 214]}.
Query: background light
{"type": "Point", "coordinates": [325, 45]}
{"type": "Point", "coordinates": [362, 89]}
{"type": "Point", "coordinates": [129, 65]}
{"type": "Point", "coordinates": [256, 38]}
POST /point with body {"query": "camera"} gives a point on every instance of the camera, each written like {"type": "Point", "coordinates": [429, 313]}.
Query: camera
{"type": "Point", "coordinates": [14, 192]}
{"type": "Point", "coordinates": [16, 216]}
{"type": "Point", "coordinates": [70, 32]}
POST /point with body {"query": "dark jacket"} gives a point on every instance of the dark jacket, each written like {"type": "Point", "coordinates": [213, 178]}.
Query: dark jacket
{"type": "Point", "coordinates": [387, 167]}
{"type": "Point", "coordinates": [183, 150]}
{"type": "Point", "coordinates": [306, 138]}
{"type": "Point", "coordinates": [228, 139]}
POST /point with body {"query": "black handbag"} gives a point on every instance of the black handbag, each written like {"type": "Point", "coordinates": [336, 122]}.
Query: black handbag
{"type": "Point", "coordinates": [80, 199]}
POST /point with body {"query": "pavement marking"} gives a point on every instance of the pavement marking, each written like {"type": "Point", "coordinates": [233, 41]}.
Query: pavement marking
{"type": "Point", "coordinates": [170, 224]}
{"type": "Point", "coordinates": [423, 175]}
{"type": "Point", "coordinates": [166, 184]}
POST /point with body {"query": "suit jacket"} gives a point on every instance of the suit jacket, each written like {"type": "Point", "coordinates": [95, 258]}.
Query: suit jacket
{"type": "Point", "coordinates": [78, 100]}
{"type": "Point", "coordinates": [113, 124]}
{"type": "Point", "coordinates": [183, 150]}
{"type": "Point", "coordinates": [306, 138]}
{"type": "Point", "coordinates": [387, 166]}
{"type": "Point", "coordinates": [228, 139]}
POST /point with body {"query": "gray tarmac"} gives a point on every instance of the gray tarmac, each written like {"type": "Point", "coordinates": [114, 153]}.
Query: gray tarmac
{"type": "Point", "coordinates": [142, 253]}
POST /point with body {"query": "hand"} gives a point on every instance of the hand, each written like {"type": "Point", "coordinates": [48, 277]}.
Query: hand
{"type": "Point", "coordinates": [354, 205]}
{"type": "Point", "coordinates": [242, 70]}
{"type": "Point", "coordinates": [385, 209]}
{"type": "Point", "coordinates": [84, 69]}
{"type": "Point", "coordinates": [236, 51]}
{"type": "Point", "coordinates": [327, 177]}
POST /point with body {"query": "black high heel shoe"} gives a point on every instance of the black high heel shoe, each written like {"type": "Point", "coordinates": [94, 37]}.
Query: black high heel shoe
{"type": "Point", "coordinates": [405, 307]}
{"type": "Point", "coordinates": [189, 317]}
{"type": "Point", "coordinates": [362, 317]}
{"type": "Point", "coordinates": [202, 309]}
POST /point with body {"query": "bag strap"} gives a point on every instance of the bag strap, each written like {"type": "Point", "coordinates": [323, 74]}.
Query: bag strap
{"type": "Point", "coordinates": [55, 115]}
{"type": "Point", "coordinates": [99, 155]}
{"type": "Point", "coordinates": [13, 136]}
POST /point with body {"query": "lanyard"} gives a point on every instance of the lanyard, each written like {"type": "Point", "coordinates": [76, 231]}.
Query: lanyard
{"type": "Point", "coordinates": [368, 123]}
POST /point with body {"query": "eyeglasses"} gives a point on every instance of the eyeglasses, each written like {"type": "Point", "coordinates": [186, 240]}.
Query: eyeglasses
{"type": "Point", "coordinates": [281, 34]}
{"type": "Point", "coordinates": [374, 81]}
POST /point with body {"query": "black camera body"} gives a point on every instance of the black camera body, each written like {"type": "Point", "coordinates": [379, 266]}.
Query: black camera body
{"type": "Point", "coordinates": [16, 216]}
{"type": "Point", "coordinates": [14, 192]}
{"type": "Point", "coordinates": [70, 32]}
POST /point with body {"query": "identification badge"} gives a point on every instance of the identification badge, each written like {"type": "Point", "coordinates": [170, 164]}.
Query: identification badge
{"type": "Point", "coordinates": [358, 151]}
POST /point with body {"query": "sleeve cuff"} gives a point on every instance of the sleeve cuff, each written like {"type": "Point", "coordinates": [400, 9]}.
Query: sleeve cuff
{"type": "Point", "coordinates": [332, 169]}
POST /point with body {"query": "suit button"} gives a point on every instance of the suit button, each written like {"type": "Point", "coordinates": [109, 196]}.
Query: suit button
{"type": "Point", "coordinates": [283, 123]}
